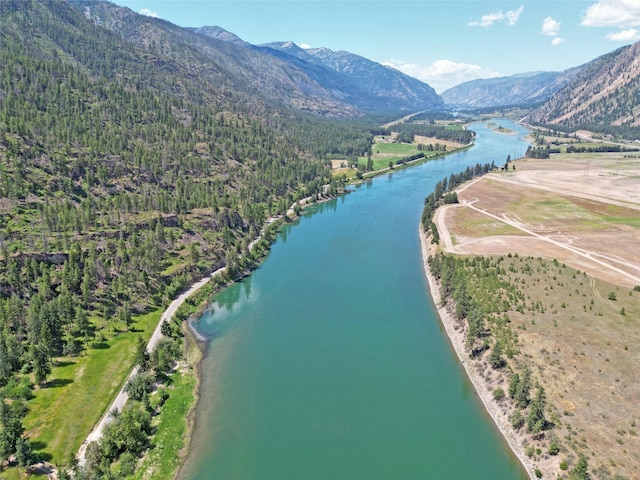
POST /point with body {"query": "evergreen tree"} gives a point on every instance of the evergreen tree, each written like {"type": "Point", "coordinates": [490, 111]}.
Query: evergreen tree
{"type": "Point", "coordinates": [536, 421]}
{"type": "Point", "coordinates": [142, 355]}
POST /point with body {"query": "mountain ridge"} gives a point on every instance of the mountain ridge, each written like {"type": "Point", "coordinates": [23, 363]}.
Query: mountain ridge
{"type": "Point", "coordinates": [372, 80]}
{"type": "Point", "coordinates": [521, 89]}
{"type": "Point", "coordinates": [602, 97]}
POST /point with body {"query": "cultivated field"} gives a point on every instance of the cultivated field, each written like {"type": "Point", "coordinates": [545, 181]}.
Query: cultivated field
{"type": "Point", "coordinates": [571, 225]}
{"type": "Point", "coordinates": [581, 209]}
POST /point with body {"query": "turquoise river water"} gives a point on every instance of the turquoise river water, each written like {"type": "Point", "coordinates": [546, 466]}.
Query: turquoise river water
{"type": "Point", "coordinates": [329, 361]}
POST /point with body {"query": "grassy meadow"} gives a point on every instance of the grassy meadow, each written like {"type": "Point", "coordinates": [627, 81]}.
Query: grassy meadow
{"type": "Point", "coordinates": [80, 390]}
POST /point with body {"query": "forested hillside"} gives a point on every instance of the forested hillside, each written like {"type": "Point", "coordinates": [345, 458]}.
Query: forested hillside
{"type": "Point", "coordinates": [124, 175]}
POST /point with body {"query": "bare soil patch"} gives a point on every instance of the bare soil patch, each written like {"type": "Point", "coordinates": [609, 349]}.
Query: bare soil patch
{"type": "Point", "coordinates": [581, 210]}
{"type": "Point", "coordinates": [427, 140]}
{"type": "Point", "coordinates": [339, 164]}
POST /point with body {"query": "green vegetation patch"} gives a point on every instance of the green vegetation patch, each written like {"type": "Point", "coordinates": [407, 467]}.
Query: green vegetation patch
{"type": "Point", "coordinates": [80, 390]}
{"type": "Point", "coordinates": [385, 148]}
{"type": "Point", "coordinates": [554, 210]}
{"type": "Point", "coordinates": [164, 458]}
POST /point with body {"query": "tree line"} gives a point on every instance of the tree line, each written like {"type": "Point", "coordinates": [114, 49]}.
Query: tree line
{"type": "Point", "coordinates": [408, 131]}
{"type": "Point", "coordinates": [481, 294]}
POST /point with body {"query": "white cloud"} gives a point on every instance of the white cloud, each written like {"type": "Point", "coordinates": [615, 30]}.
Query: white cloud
{"type": "Point", "coordinates": [550, 27]}
{"type": "Point", "coordinates": [629, 35]}
{"type": "Point", "coordinates": [305, 46]}
{"type": "Point", "coordinates": [510, 18]}
{"type": "Point", "coordinates": [557, 41]}
{"type": "Point", "coordinates": [514, 15]}
{"type": "Point", "coordinates": [613, 13]}
{"type": "Point", "coordinates": [443, 74]}
{"type": "Point", "coordinates": [148, 13]}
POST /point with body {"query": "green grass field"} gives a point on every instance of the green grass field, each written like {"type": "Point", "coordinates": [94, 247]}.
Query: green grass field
{"type": "Point", "coordinates": [80, 390]}
{"type": "Point", "coordinates": [384, 152]}
{"type": "Point", "coordinates": [402, 149]}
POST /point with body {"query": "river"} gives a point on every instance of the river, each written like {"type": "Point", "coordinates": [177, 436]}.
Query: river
{"type": "Point", "coordinates": [329, 361]}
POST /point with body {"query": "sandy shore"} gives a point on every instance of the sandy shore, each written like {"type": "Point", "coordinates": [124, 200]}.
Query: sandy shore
{"type": "Point", "coordinates": [483, 388]}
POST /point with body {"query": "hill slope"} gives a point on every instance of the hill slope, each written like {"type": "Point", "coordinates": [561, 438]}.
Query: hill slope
{"type": "Point", "coordinates": [245, 74]}
{"type": "Point", "coordinates": [131, 162]}
{"type": "Point", "coordinates": [523, 90]}
{"type": "Point", "coordinates": [366, 84]}
{"type": "Point", "coordinates": [603, 97]}
{"type": "Point", "coordinates": [270, 73]}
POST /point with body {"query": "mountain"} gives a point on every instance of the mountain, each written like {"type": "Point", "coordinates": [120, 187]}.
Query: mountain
{"type": "Point", "coordinates": [364, 83]}
{"type": "Point", "coordinates": [234, 67]}
{"type": "Point", "coordinates": [270, 74]}
{"type": "Point", "coordinates": [521, 90]}
{"type": "Point", "coordinates": [219, 34]}
{"type": "Point", "coordinates": [602, 97]}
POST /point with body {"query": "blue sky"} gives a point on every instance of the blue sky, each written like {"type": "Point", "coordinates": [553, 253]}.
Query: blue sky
{"type": "Point", "coordinates": [443, 43]}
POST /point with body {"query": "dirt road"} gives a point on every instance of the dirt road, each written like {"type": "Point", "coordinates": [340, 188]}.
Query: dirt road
{"type": "Point", "coordinates": [121, 398]}
{"type": "Point", "coordinates": [591, 234]}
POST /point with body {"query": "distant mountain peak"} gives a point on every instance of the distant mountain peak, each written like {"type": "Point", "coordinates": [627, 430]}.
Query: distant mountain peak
{"type": "Point", "coordinates": [219, 33]}
{"type": "Point", "coordinates": [370, 85]}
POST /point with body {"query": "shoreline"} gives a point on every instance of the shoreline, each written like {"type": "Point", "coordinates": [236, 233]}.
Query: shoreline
{"type": "Point", "coordinates": [194, 341]}
{"type": "Point", "coordinates": [121, 396]}
{"type": "Point", "coordinates": [482, 388]}
{"type": "Point", "coordinates": [194, 354]}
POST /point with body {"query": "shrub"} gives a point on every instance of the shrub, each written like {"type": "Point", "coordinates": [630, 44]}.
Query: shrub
{"type": "Point", "coordinates": [554, 448]}
{"type": "Point", "coordinates": [498, 394]}
{"type": "Point", "coordinates": [139, 386]}
{"type": "Point", "coordinates": [517, 420]}
{"type": "Point", "coordinates": [538, 473]}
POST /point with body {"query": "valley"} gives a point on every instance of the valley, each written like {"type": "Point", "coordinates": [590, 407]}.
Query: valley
{"type": "Point", "coordinates": [138, 156]}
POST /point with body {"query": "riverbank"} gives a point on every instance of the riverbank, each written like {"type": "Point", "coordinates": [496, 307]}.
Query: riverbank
{"type": "Point", "coordinates": [484, 389]}
{"type": "Point", "coordinates": [411, 163]}
{"type": "Point", "coordinates": [195, 343]}
{"type": "Point", "coordinates": [122, 396]}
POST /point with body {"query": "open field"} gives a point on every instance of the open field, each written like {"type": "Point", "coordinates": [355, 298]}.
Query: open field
{"type": "Point", "coordinates": [583, 209]}
{"type": "Point", "coordinates": [77, 394]}
{"type": "Point", "coordinates": [566, 232]}
{"type": "Point", "coordinates": [384, 150]}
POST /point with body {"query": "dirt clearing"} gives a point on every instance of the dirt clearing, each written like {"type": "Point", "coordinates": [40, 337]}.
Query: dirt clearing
{"type": "Point", "coordinates": [581, 209]}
